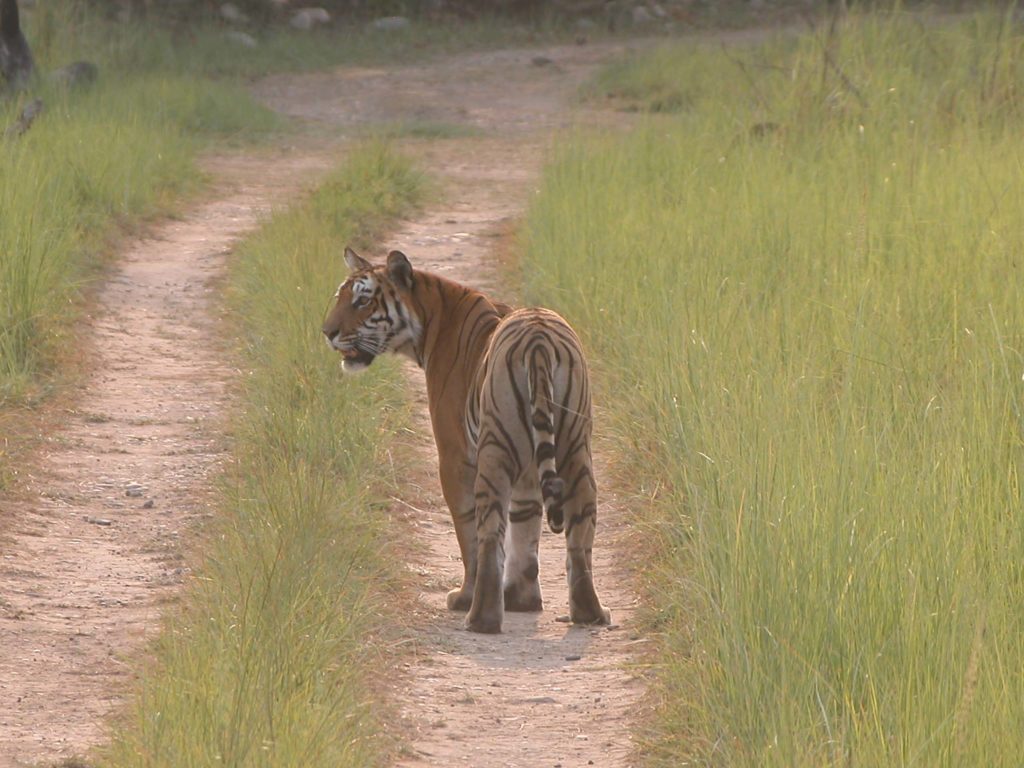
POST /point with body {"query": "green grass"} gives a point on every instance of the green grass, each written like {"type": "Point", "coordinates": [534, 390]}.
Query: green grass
{"type": "Point", "coordinates": [811, 343]}
{"type": "Point", "coordinates": [268, 660]}
{"type": "Point", "coordinates": [107, 155]}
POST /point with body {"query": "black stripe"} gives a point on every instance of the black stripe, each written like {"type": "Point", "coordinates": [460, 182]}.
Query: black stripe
{"type": "Point", "coordinates": [542, 422]}
{"type": "Point", "coordinates": [545, 451]}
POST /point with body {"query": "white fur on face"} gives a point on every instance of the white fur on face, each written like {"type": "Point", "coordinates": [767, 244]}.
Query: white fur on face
{"type": "Point", "coordinates": [362, 288]}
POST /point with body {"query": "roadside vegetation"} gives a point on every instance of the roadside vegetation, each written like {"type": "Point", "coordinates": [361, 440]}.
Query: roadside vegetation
{"type": "Point", "coordinates": [207, 49]}
{"type": "Point", "coordinates": [801, 282]}
{"type": "Point", "coordinates": [96, 159]}
{"type": "Point", "coordinates": [266, 660]}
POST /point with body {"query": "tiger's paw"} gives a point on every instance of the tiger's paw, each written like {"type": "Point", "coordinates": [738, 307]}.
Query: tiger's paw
{"type": "Point", "coordinates": [486, 614]}
{"type": "Point", "coordinates": [591, 615]}
{"type": "Point", "coordinates": [459, 600]}
{"type": "Point", "coordinates": [488, 607]}
{"type": "Point", "coordinates": [483, 625]}
{"type": "Point", "coordinates": [523, 597]}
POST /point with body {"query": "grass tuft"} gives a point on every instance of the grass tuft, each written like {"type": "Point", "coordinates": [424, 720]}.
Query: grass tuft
{"type": "Point", "coordinates": [268, 661]}
{"type": "Point", "coordinates": [812, 337]}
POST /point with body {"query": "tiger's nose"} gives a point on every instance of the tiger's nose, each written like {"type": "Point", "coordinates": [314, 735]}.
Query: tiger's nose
{"type": "Point", "coordinates": [331, 335]}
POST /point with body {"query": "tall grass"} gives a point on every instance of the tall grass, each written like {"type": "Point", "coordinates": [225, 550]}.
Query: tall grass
{"type": "Point", "coordinates": [267, 662]}
{"type": "Point", "coordinates": [810, 335]}
{"type": "Point", "coordinates": [112, 152]}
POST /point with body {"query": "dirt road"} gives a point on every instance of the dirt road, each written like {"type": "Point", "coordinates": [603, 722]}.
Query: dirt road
{"type": "Point", "coordinates": [94, 548]}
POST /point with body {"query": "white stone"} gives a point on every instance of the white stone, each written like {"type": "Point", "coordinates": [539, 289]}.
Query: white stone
{"type": "Point", "coordinates": [242, 38]}
{"type": "Point", "coordinates": [390, 23]}
{"type": "Point", "coordinates": [232, 13]}
{"type": "Point", "coordinates": [307, 18]}
{"type": "Point", "coordinates": [641, 15]}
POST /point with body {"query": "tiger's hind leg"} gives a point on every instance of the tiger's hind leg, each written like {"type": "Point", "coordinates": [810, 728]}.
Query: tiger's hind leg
{"type": "Point", "coordinates": [522, 567]}
{"type": "Point", "coordinates": [580, 526]}
{"type": "Point", "coordinates": [492, 491]}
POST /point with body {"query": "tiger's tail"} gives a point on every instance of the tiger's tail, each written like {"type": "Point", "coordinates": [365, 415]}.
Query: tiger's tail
{"type": "Point", "coordinates": [541, 403]}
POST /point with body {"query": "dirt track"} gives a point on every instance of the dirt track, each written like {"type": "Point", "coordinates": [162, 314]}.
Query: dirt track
{"type": "Point", "coordinates": [86, 568]}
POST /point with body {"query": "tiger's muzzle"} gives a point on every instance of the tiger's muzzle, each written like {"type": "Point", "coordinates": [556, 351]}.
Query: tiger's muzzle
{"type": "Point", "coordinates": [353, 358]}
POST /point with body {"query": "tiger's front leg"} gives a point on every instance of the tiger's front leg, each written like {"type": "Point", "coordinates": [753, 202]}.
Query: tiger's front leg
{"type": "Point", "coordinates": [457, 478]}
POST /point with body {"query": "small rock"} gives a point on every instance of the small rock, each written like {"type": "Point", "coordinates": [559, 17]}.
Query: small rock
{"type": "Point", "coordinates": [134, 490]}
{"type": "Point", "coordinates": [148, 504]}
{"type": "Point", "coordinates": [573, 657]}
{"type": "Point", "coordinates": [541, 700]}
{"type": "Point", "coordinates": [319, 15]}
{"type": "Point", "coordinates": [76, 74]}
{"type": "Point", "coordinates": [541, 61]}
{"type": "Point", "coordinates": [641, 16]}
{"type": "Point", "coordinates": [98, 520]}
{"type": "Point", "coordinates": [307, 18]}
{"type": "Point", "coordinates": [563, 619]}
{"type": "Point", "coordinates": [233, 14]}
{"type": "Point", "coordinates": [390, 23]}
{"type": "Point", "coordinates": [244, 39]}
{"type": "Point", "coordinates": [301, 22]}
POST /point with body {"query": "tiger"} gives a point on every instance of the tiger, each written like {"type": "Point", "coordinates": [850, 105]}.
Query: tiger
{"type": "Point", "coordinates": [509, 400]}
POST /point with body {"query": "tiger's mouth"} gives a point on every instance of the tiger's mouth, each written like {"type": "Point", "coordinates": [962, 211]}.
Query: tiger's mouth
{"type": "Point", "coordinates": [354, 359]}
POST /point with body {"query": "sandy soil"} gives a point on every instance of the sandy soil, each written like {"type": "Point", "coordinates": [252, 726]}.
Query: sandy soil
{"type": "Point", "coordinates": [93, 544]}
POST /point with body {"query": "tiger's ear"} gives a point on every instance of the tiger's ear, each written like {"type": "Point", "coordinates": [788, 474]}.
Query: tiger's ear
{"type": "Point", "coordinates": [400, 270]}
{"type": "Point", "coordinates": [355, 261]}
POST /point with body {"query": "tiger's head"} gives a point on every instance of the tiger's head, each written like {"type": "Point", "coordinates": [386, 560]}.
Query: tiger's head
{"type": "Point", "coordinates": [371, 314]}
